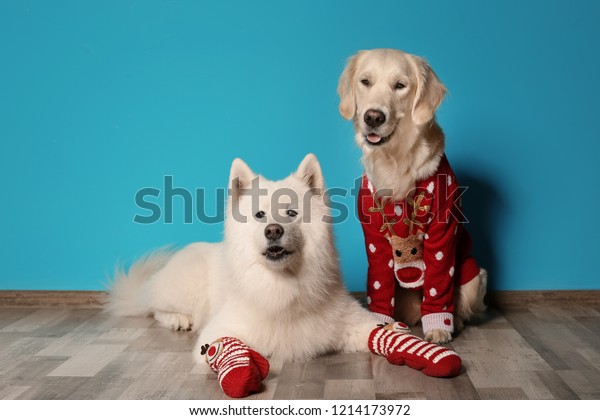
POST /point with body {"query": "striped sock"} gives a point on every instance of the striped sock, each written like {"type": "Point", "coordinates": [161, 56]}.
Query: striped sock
{"type": "Point", "coordinates": [239, 369]}
{"type": "Point", "coordinates": [403, 348]}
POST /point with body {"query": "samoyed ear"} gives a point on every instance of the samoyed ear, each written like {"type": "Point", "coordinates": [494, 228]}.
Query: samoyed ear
{"type": "Point", "coordinates": [310, 173]}
{"type": "Point", "coordinates": [429, 93]}
{"type": "Point", "coordinates": [240, 177]}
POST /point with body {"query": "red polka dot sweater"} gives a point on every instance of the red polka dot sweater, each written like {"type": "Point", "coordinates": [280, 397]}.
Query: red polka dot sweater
{"type": "Point", "coordinates": [418, 243]}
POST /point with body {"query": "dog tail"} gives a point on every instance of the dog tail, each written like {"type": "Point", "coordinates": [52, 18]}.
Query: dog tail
{"type": "Point", "coordinates": [126, 297]}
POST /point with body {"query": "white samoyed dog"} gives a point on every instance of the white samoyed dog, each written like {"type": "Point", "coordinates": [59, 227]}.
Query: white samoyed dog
{"type": "Point", "coordinates": [274, 282]}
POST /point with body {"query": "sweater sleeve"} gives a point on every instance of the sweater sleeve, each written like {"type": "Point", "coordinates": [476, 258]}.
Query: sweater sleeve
{"type": "Point", "coordinates": [381, 282]}
{"type": "Point", "coordinates": [439, 254]}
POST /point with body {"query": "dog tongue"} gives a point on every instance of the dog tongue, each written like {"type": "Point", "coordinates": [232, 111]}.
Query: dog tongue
{"type": "Point", "coordinates": [373, 138]}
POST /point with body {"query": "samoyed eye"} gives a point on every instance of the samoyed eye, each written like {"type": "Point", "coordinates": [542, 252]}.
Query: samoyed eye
{"type": "Point", "coordinates": [292, 213]}
{"type": "Point", "coordinates": [260, 214]}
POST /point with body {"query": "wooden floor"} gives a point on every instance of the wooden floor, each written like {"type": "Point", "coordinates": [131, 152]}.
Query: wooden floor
{"type": "Point", "coordinates": [535, 351]}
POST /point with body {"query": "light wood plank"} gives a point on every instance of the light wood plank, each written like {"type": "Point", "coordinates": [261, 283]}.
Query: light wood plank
{"type": "Point", "coordinates": [34, 320]}
{"type": "Point", "coordinates": [535, 351]}
{"type": "Point", "coordinates": [302, 380]}
{"type": "Point", "coordinates": [12, 392]}
{"type": "Point", "coordinates": [89, 360]}
{"type": "Point", "coordinates": [349, 389]}
{"type": "Point", "coordinates": [10, 315]}
{"type": "Point", "coordinates": [502, 394]}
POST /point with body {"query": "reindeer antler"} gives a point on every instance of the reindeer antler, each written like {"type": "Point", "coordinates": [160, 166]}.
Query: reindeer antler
{"type": "Point", "coordinates": [379, 208]}
{"type": "Point", "coordinates": [416, 205]}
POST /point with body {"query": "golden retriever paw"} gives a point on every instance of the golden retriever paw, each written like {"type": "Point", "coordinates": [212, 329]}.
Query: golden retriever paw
{"type": "Point", "coordinates": [438, 336]}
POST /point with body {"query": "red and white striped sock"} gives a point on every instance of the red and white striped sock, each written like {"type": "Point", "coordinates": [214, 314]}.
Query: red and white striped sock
{"type": "Point", "coordinates": [239, 369]}
{"type": "Point", "coordinates": [399, 347]}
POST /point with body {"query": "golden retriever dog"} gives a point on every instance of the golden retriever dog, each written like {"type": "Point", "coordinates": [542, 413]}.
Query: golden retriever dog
{"type": "Point", "coordinates": [391, 98]}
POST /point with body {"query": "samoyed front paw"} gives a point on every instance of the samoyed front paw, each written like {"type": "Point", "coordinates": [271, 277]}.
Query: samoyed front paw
{"type": "Point", "coordinates": [173, 320]}
{"type": "Point", "coordinates": [438, 336]}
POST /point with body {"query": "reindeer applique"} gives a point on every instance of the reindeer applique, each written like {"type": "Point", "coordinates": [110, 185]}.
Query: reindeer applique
{"type": "Point", "coordinates": [409, 267]}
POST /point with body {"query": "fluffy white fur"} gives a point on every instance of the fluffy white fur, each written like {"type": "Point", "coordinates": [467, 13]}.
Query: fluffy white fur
{"type": "Point", "coordinates": [408, 92]}
{"type": "Point", "coordinates": [292, 309]}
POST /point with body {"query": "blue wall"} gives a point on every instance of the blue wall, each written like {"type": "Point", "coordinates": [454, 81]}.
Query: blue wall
{"type": "Point", "coordinates": [99, 99]}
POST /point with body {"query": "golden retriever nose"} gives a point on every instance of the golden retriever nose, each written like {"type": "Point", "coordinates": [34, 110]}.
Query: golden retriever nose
{"type": "Point", "coordinates": [274, 231]}
{"type": "Point", "coordinates": [374, 118]}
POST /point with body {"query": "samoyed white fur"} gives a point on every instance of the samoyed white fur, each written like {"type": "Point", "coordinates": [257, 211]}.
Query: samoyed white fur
{"type": "Point", "coordinates": [274, 282]}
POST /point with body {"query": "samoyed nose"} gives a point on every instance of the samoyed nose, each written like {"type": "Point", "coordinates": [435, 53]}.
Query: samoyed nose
{"type": "Point", "coordinates": [274, 231]}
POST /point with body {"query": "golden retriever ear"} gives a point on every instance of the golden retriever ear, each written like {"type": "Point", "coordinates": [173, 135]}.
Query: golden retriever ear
{"type": "Point", "coordinates": [346, 89]}
{"type": "Point", "coordinates": [429, 94]}
{"type": "Point", "coordinates": [240, 177]}
{"type": "Point", "coordinates": [311, 174]}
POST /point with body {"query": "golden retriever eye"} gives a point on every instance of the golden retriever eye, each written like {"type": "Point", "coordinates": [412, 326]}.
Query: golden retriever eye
{"type": "Point", "coordinates": [365, 82]}
{"type": "Point", "coordinates": [400, 86]}
{"type": "Point", "coordinates": [292, 213]}
{"type": "Point", "coordinates": [260, 214]}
